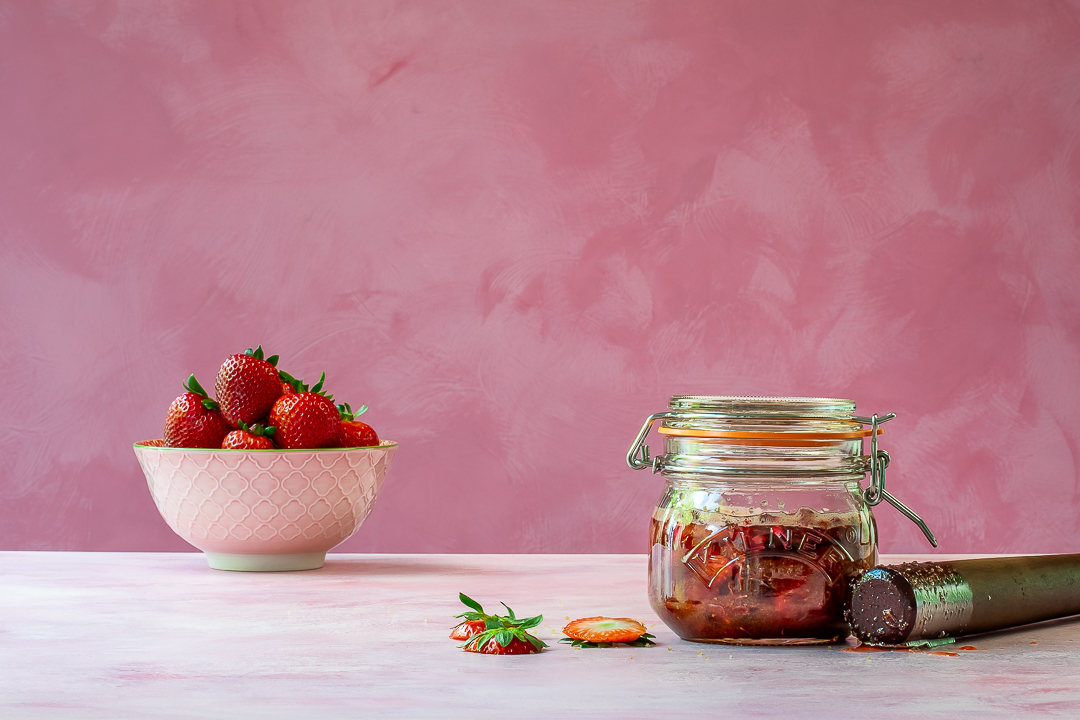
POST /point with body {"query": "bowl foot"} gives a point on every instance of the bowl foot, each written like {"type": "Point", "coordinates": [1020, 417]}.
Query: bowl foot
{"type": "Point", "coordinates": [265, 563]}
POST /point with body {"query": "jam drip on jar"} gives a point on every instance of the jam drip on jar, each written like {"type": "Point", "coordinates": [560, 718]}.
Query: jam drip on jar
{"type": "Point", "coordinates": [780, 577]}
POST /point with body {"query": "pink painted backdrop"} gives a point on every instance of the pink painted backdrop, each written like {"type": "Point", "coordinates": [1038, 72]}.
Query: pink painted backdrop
{"type": "Point", "coordinates": [515, 228]}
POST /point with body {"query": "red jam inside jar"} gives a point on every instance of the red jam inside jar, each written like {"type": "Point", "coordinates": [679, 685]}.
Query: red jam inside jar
{"type": "Point", "coordinates": [770, 578]}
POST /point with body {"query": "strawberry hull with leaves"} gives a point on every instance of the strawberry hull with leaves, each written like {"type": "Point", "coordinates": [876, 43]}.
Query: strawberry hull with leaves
{"type": "Point", "coordinates": [496, 634]}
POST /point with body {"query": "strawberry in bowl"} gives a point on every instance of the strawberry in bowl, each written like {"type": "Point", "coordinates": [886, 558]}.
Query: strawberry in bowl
{"type": "Point", "coordinates": [258, 483]}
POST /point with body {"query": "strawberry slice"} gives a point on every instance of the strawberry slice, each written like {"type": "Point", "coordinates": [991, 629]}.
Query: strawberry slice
{"type": "Point", "coordinates": [603, 631]}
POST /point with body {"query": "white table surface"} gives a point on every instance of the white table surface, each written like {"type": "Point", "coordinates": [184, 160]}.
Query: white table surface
{"type": "Point", "coordinates": [160, 635]}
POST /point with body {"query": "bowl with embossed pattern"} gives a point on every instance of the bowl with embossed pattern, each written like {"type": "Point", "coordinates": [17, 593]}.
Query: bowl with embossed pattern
{"type": "Point", "coordinates": [264, 510]}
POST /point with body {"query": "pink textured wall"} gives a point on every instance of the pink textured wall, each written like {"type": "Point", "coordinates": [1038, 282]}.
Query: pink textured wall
{"type": "Point", "coordinates": [514, 228]}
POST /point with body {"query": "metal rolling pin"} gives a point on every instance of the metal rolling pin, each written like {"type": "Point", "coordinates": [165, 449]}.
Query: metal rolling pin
{"type": "Point", "coordinates": [896, 604]}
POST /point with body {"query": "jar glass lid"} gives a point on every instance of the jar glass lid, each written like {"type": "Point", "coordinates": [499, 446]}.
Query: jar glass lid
{"type": "Point", "coordinates": [771, 407]}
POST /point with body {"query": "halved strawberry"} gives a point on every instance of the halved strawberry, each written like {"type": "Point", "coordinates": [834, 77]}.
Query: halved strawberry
{"type": "Point", "coordinates": [247, 386]}
{"type": "Point", "coordinates": [305, 418]}
{"type": "Point", "coordinates": [250, 437]}
{"type": "Point", "coordinates": [194, 420]}
{"type": "Point", "coordinates": [353, 433]}
{"type": "Point", "coordinates": [605, 630]}
{"type": "Point", "coordinates": [504, 642]}
{"type": "Point", "coordinates": [465, 630]}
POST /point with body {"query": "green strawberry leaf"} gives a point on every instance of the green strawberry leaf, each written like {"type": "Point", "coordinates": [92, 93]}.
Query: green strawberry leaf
{"type": "Point", "coordinates": [469, 602]}
{"type": "Point", "coordinates": [296, 384]}
{"type": "Point", "coordinates": [530, 622]}
{"type": "Point", "coordinates": [504, 637]}
{"type": "Point", "coordinates": [347, 413]}
{"type": "Point", "coordinates": [535, 642]}
{"type": "Point", "coordinates": [273, 359]}
{"type": "Point", "coordinates": [646, 640]}
{"type": "Point", "coordinates": [192, 385]}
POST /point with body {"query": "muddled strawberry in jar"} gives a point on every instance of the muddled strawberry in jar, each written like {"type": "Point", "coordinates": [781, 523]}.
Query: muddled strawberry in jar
{"type": "Point", "coordinates": [751, 576]}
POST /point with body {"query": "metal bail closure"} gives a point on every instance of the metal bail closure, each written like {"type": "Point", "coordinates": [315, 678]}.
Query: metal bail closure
{"type": "Point", "coordinates": [638, 455]}
{"type": "Point", "coordinates": [879, 461]}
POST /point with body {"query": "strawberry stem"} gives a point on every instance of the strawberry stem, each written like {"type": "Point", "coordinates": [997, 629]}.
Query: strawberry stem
{"type": "Point", "coordinates": [257, 353]}
{"type": "Point", "coordinates": [258, 429]}
{"type": "Point", "coordinates": [469, 602]}
{"type": "Point", "coordinates": [348, 414]}
{"type": "Point", "coordinates": [300, 386]}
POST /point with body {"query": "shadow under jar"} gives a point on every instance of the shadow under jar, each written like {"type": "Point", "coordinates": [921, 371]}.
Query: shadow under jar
{"type": "Point", "coordinates": [763, 523]}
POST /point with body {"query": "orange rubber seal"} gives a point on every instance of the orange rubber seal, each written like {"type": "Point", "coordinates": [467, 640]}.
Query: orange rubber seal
{"type": "Point", "coordinates": [740, 435]}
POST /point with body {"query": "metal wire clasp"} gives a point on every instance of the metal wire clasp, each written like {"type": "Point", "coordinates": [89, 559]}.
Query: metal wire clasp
{"type": "Point", "coordinates": [638, 455]}
{"type": "Point", "coordinates": [879, 461]}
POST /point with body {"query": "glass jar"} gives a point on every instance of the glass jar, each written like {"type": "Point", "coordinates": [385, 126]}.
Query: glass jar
{"type": "Point", "coordinates": [764, 522]}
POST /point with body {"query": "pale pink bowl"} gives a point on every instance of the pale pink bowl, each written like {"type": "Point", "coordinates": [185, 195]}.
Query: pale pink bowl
{"type": "Point", "coordinates": [265, 509]}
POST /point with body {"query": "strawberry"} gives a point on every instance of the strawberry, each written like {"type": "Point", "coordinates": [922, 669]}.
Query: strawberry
{"type": "Point", "coordinates": [603, 631]}
{"type": "Point", "coordinates": [353, 433]}
{"type": "Point", "coordinates": [250, 437]}
{"type": "Point", "coordinates": [465, 630]}
{"type": "Point", "coordinates": [247, 386]}
{"type": "Point", "coordinates": [496, 634]}
{"type": "Point", "coordinates": [305, 418]}
{"type": "Point", "coordinates": [194, 420]}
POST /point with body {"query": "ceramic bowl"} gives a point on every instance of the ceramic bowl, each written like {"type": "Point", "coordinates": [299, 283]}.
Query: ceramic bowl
{"type": "Point", "coordinates": [263, 510]}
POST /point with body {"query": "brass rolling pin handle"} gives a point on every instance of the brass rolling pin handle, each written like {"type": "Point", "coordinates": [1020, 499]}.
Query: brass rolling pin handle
{"type": "Point", "coordinates": [896, 604]}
